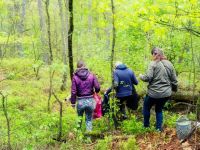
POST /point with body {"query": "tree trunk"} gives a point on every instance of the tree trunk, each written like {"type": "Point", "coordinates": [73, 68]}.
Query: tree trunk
{"type": "Point", "coordinates": [70, 33]}
{"type": "Point", "coordinates": [49, 32]}
{"type": "Point", "coordinates": [60, 118]}
{"type": "Point", "coordinates": [18, 28]}
{"type": "Point", "coordinates": [64, 48]}
{"type": "Point", "coordinates": [43, 31]}
{"type": "Point", "coordinates": [7, 119]}
{"type": "Point", "coordinates": [113, 40]}
{"type": "Point", "coordinates": [111, 63]}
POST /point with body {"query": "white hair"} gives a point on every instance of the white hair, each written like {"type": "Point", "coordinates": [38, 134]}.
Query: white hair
{"type": "Point", "coordinates": [117, 63]}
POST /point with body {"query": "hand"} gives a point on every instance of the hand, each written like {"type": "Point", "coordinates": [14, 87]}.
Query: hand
{"type": "Point", "coordinates": [68, 98]}
{"type": "Point", "coordinates": [141, 76]}
{"type": "Point", "coordinates": [73, 105]}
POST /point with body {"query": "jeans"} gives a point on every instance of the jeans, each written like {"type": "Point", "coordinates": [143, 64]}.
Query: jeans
{"type": "Point", "coordinates": [159, 103]}
{"type": "Point", "coordinates": [86, 105]}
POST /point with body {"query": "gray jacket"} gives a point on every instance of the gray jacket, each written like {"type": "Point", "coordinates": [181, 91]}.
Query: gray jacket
{"type": "Point", "coordinates": [160, 75]}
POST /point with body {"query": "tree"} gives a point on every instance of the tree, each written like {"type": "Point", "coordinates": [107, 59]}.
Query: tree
{"type": "Point", "coordinates": [112, 58]}
{"type": "Point", "coordinates": [70, 33]}
{"type": "Point", "coordinates": [64, 43]}
{"type": "Point", "coordinates": [49, 32]}
{"type": "Point", "coordinates": [42, 28]}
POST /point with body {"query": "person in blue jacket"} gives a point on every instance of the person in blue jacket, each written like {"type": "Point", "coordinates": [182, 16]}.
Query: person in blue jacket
{"type": "Point", "coordinates": [124, 81]}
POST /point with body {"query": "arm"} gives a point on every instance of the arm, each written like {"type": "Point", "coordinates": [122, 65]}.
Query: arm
{"type": "Point", "coordinates": [96, 85]}
{"type": "Point", "coordinates": [108, 91]}
{"type": "Point", "coordinates": [149, 74]}
{"type": "Point", "coordinates": [134, 79]}
{"type": "Point", "coordinates": [173, 77]}
{"type": "Point", "coordinates": [73, 91]}
{"type": "Point", "coordinates": [116, 80]}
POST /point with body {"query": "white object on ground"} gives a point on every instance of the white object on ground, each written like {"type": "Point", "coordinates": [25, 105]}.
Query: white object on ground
{"type": "Point", "coordinates": [198, 124]}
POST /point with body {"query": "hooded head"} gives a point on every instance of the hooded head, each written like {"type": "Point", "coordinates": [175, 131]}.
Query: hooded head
{"type": "Point", "coordinates": [82, 72]}
{"type": "Point", "coordinates": [120, 65]}
{"type": "Point", "coordinates": [117, 63]}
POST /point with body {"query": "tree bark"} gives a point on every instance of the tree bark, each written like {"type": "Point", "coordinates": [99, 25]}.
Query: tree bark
{"type": "Point", "coordinates": [70, 33]}
{"type": "Point", "coordinates": [60, 118]}
{"type": "Point", "coordinates": [18, 28]}
{"type": "Point", "coordinates": [111, 64]}
{"type": "Point", "coordinates": [49, 32]}
{"type": "Point", "coordinates": [63, 35]}
{"type": "Point", "coordinates": [44, 53]}
{"type": "Point", "coordinates": [7, 119]}
{"type": "Point", "coordinates": [42, 21]}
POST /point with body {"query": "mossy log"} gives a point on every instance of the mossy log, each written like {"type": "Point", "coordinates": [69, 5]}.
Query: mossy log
{"type": "Point", "coordinates": [186, 96]}
{"type": "Point", "coordinates": [180, 96]}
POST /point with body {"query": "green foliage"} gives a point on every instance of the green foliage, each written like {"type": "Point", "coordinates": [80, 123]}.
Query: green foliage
{"type": "Point", "coordinates": [170, 119]}
{"type": "Point", "coordinates": [104, 144]}
{"type": "Point", "coordinates": [130, 144]}
{"type": "Point", "coordinates": [133, 126]}
{"type": "Point", "coordinates": [140, 25]}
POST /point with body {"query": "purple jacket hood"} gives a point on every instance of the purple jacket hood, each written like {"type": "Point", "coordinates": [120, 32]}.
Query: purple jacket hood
{"type": "Point", "coordinates": [82, 73]}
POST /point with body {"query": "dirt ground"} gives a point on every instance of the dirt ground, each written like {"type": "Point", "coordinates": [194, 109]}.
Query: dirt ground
{"type": "Point", "coordinates": [167, 140]}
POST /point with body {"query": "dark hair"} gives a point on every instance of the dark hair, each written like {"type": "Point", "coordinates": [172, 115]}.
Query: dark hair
{"type": "Point", "coordinates": [80, 64]}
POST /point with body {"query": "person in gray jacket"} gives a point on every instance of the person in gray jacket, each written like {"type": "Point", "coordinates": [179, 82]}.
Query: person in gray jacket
{"type": "Point", "coordinates": [161, 77]}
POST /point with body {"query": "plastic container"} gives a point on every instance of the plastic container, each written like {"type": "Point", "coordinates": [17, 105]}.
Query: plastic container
{"type": "Point", "coordinates": [183, 127]}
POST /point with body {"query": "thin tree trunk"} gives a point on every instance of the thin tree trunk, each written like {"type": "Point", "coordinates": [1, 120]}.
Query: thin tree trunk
{"type": "Point", "coordinates": [113, 40]}
{"type": "Point", "coordinates": [49, 32]}
{"type": "Point", "coordinates": [18, 28]}
{"type": "Point", "coordinates": [42, 21]}
{"type": "Point", "coordinates": [43, 32]}
{"type": "Point", "coordinates": [70, 33]}
{"type": "Point", "coordinates": [7, 119]}
{"type": "Point", "coordinates": [63, 35]}
{"type": "Point", "coordinates": [112, 58]}
{"type": "Point", "coordinates": [60, 118]}
{"type": "Point", "coordinates": [51, 74]}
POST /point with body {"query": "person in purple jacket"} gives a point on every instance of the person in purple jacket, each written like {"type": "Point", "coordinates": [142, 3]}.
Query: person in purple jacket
{"type": "Point", "coordinates": [124, 81]}
{"type": "Point", "coordinates": [84, 84]}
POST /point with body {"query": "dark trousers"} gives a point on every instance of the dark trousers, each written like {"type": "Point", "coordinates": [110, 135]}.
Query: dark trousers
{"type": "Point", "coordinates": [159, 104]}
{"type": "Point", "coordinates": [130, 101]}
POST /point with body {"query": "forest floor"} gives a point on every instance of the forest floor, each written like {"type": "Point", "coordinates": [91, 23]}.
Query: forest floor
{"type": "Point", "coordinates": [166, 140]}
{"type": "Point", "coordinates": [23, 98]}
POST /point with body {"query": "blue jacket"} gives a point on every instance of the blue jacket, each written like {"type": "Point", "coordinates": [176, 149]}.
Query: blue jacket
{"type": "Point", "coordinates": [124, 81]}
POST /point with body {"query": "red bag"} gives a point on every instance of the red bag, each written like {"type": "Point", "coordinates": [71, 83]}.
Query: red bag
{"type": "Point", "coordinates": [98, 110]}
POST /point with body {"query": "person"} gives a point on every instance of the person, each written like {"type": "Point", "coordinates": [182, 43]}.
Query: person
{"type": "Point", "coordinates": [84, 84]}
{"type": "Point", "coordinates": [160, 76]}
{"type": "Point", "coordinates": [105, 103]}
{"type": "Point", "coordinates": [124, 81]}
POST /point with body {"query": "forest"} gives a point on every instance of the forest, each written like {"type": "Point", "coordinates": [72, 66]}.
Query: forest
{"type": "Point", "coordinates": [41, 42]}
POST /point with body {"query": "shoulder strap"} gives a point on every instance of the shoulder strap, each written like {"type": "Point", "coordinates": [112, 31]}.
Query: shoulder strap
{"type": "Point", "coordinates": [164, 68]}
